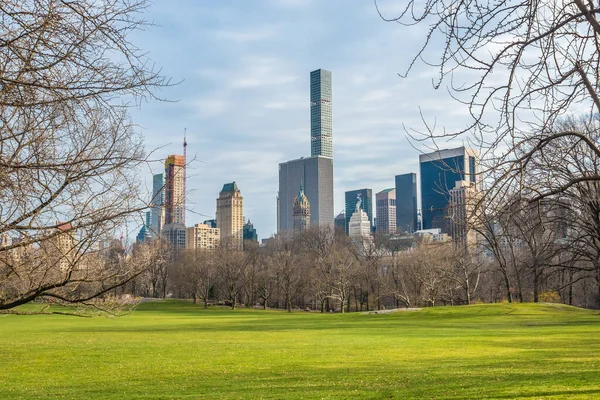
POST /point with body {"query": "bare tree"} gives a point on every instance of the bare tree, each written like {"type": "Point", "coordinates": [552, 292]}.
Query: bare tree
{"type": "Point", "coordinates": [232, 272]}
{"type": "Point", "coordinates": [68, 151]}
{"type": "Point", "coordinates": [197, 274]}
{"type": "Point", "coordinates": [290, 274]}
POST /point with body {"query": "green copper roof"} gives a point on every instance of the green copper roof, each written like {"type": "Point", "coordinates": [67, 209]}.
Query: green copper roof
{"type": "Point", "coordinates": [386, 190]}
{"type": "Point", "coordinates": [230, 187]}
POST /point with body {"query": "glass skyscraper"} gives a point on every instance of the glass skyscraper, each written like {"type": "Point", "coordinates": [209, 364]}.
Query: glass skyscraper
{"type": "Point", "coordinates": [406, 202]}
{"type": "Point", "coordinates": [320, 114]}
{"type": "Point", "coordinates": [440, 171]}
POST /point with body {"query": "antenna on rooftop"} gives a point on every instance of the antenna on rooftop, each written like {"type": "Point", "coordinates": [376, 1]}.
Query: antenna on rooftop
{"type": "Point", "coordinates": [184, 170]}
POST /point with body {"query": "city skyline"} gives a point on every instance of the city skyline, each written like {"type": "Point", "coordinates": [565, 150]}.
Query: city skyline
{"type": "Point", "coordinates": [244, 98]}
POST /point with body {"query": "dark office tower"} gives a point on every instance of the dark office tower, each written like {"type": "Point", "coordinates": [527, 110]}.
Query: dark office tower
{"type": "Point", "coordinates": [316, 174]}
{"type": "Point", "coordinates": [406, 203]}
{"type": "Point", "coordinates": [365, 196]}
{"type": "Point", "coordinates": [340, 223]}
{"type": "Point", "coordinates": [250, 232]}
{"type": "Point", "coordinates": [440, 171]}
{"type": "Point", "coordinates": [320, 114]}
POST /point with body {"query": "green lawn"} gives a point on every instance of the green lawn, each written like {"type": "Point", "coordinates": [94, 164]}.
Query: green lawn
{"type": "Point", "coordinates": [174, 350]}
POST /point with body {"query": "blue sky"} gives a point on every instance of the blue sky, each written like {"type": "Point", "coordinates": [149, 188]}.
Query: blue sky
{"type": "Point", "coordinates": [244, 95]}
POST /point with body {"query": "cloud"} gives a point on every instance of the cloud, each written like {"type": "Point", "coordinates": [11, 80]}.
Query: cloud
{"type": "Point", "coordinates": [248, 35]}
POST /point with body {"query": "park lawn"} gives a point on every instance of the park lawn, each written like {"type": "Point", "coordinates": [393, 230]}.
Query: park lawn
{"type": "Point", "coordinates": [177, 350]}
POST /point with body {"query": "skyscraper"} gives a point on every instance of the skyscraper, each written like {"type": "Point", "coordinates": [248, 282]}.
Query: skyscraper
{"type": "Point", "coordinates": [157, 209]}
{"type": "Point", "coordinates": [440, 171]}
{"type": "Point", "coordinates": [315, 172]}
{"type": "Point", "coordinates": [230, 215]}
{"type": "Point", "coordinates": [175, 190]}
{"type": "Point", "coordinates": [406, 203]}
{"type": "Point", "coordinates": [464, 200]}
{"type": "Point", "coordinates": [173, 229]}
{"type": "Point", "coordinates": [250, 232]}
{"type": "Point", "coordinates": [385, 204]}
{"type": "Point", "coordinates": [320, 114]}
{"type": "Point", "coordinates": [353, 197]}
{"type": "Point", "coordinates": [301, 212]}
{"type": "Point", "coordinates": [202, 236]}
{"type": "Point", "coordinates": [340, 223]}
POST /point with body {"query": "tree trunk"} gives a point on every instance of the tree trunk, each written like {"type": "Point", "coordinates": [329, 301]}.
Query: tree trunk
{"type": "Point", "coordinates": [507, 284]}
{"type": "Point", "coordinates": [536, 283]}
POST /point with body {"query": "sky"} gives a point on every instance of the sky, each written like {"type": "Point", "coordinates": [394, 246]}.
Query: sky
{"type": "Point", "coordinates": [242, 69]}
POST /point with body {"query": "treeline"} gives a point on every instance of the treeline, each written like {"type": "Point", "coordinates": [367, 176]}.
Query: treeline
{"type": "Point", "coordinates": [323, 271]}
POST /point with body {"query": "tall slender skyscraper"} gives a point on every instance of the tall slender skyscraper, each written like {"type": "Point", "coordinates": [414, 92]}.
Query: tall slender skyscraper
{"type": "Point", "coordinates": [406, 203]}
{"type": "Point", "coordinates": [230, 215]}
{"type": "Point", "coordinates": [316, 172]}
{"type": "Point", "coordinates": [175, 190]}
{"type": "Point", "coordinates": [320, 114]}
{"type": "Point", "coordinates": [440, 171]}
{"type": "Point", "coordinates": [173, 229]}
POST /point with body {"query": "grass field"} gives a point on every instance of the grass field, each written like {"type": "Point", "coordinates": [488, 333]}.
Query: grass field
{"type": "Point", "coordinates": [175, 350]}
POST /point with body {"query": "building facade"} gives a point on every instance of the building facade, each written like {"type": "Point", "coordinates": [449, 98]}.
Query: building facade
{"type": "Point", "coordinates": [320, 114]}
{"type": "Point", "coordinates": [230, 215]}
{"type": "Point", "coordinates": [406, 203]}
{"type": "Point", "coordinates": [385, 205]}
{"type": "Point", "coordinates": [316, 175]}
{"type": "Point", "coordinates": [340, 222]}
{"type": "Point", "coordinates": [359, 226]}
{"type": "Point", "coordinates": [301, 212]}
{"type": "Point", "coordinates": [362, 197]}
{"type": "Point", "coordinates": [464, 199]}
{"type": "Point", "coordinates": [174, 187]}
{"type": "Point", "coordinates": [202, 236]}
{"type": "Point", "coordinates": [440, 171]}
{"type": "Point", "coordinates": [250, 232]}
{"type": "Point", "coordinates": [174, 234]}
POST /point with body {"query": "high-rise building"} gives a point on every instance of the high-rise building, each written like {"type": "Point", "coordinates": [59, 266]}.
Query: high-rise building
{"type": "Point", "coordinates": [174, 234]}
{"type": "Point", "coordinates": [145, 232]}
{"type": "Point", "coordinates": [250, 232]}
{"type": "Point", "coordinates": [320, 114]}
{"type": "Point", "coordinates": [212, 223]}
{"type": "Point", "coordinates": [315, 172]}
{"type": "Point", "coordinates": [301, 211]}
{"type": "Point", "coordinates": [363, 197]}
{"type": "Point", "coordinates": [202, 236]}
{"type": "Point", "coordinates": [406, 203]}
{"type": "Point", "coordinates": [464, 199]}
{"type": "Point", "coordinates": [440, 171]}
{"type": "Point", "coordinates": [157, 204]}
{"type": "Point", "coordinates": [340, 223]}
{"type": "Point", "coordinates": [359, 226]}
{"type": "Point", "coordinates": [173, 228]}
{"type": "Point", "coordinates": [230, 215]}
{"type": "Point", "coordinates": [174, 190]}
{"type": "Point", "coordinates": [385, 204]}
